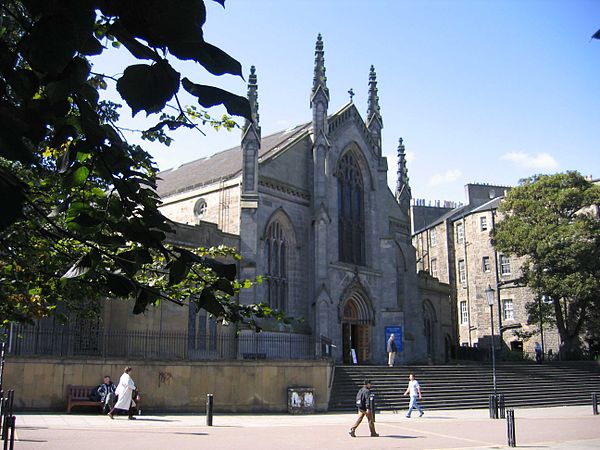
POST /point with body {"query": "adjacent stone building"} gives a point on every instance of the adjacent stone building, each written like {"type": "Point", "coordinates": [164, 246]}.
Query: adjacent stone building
{"type": "Point", "coordinates": [453, 245]}
{"type": "Point", "coordinates": [315, 216]}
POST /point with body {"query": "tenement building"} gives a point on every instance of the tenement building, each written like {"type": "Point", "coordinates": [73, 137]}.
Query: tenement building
{"type": "Point", "coordinates": [314, 215]}
{"type": "Point", "coordinates": [453, 245]}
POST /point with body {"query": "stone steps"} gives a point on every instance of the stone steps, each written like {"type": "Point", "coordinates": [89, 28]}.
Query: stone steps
{"type": "Point", "coordinates": [469, 386]}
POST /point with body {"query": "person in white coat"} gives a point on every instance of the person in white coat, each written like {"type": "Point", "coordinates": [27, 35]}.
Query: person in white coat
{"type": "Point", "coordinates": [124, 393]}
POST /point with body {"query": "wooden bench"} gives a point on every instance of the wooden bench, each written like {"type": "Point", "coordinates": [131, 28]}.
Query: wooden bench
{"type": "Point", "coordinates": [80, 396]}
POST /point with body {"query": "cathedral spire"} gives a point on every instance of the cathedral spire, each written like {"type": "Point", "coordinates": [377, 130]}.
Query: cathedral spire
{"type": "Point", "coordinates": [374, 121]}
{"type": "Point", "coordinates": [373, 104]}
{"type": "Point", "coordinates": [402, 187]}
{"type": "Point", "coordinates": [319, 79]}
{"type": "Point", "coordinates": [253, 99]}
{"type": "Point", "coordinates": [250, 148]}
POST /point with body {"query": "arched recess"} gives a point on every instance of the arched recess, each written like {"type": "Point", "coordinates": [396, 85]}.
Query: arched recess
{"type": "Point", "coordinates": [401, 274]}
{"type": "Point", "coordinates": [279, 260]}
{"type": "Point", "coordinates": [361, 160]}
{"type": "Point", "coordinates": [429, 328]}
{"type": "Point", "coordinates": [357, 318]}
{"type": "Point", "coordinates": [353, 177]}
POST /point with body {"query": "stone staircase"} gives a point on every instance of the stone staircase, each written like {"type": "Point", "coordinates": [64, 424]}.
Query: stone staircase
{"type": "Point", "coordinates": [469, 386]}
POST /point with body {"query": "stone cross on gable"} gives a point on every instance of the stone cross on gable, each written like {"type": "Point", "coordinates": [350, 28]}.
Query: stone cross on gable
{"type": "Point", "coordinates": [351, 92]}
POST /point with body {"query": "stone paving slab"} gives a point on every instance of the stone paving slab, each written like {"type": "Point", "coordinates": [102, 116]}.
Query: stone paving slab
{"type": "Point", "coordinates": [562, 428]}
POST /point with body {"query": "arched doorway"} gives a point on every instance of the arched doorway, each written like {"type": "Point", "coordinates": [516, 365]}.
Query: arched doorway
{"type": "Point", "coordinates": [356, 330]}
{"type": "Point", "coordinates": [429, 329]}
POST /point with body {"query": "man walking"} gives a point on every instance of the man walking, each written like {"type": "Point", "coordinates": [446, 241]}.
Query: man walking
{"type": "Point", "coordinates": [364, 409]}
{"type": "Point", "coordinates": [392, 349]}
{"type": "Point", "coordinates": [414, 389]}
{"type": "Point", "coordinates": [124, 393]}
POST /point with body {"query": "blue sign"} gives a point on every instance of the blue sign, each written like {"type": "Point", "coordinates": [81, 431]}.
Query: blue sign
{"type": "Point", "coordinates": [397, 330]}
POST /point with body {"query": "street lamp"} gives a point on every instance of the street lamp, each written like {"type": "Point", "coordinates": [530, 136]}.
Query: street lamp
{"type": "Point", "coordinates": [489, 293]}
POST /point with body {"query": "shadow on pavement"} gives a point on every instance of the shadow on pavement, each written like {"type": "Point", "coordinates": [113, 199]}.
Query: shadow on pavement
{"type": "Point", "coordinates": [192, 434]}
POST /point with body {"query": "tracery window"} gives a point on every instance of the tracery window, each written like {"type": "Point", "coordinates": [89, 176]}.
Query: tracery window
{"type": "Point", "coordinates": [276, 260]}
{"type": "Point", "coordinates": [351, 221]}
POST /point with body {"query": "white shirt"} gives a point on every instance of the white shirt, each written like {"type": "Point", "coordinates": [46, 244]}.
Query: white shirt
{"type": "Point", "coordinates": [413, 388]}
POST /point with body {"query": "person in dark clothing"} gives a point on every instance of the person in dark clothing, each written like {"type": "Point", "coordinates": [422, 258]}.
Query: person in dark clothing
{"type": "Point", "coordinates": [106, 394]}
{"type": "Point", "coordinates": [362, 403]}
{"type": "Point", "coordinates": [538, 353]}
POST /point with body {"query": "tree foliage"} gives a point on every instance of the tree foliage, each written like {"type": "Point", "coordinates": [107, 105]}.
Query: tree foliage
{"type": "Point", "coordinates": [552, 221]}
{"type": "Point", "coordinates": [80, 217]}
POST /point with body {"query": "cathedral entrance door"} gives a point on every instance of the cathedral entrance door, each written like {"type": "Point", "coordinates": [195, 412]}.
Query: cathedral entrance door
{"type": "Point", "coordinates": [356, 335]}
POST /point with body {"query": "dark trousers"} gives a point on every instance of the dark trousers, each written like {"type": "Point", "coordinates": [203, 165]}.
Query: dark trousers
{"type": "Point", "coordinates": [362, 413]}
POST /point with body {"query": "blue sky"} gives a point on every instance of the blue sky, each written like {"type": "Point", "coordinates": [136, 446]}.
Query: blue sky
{"type": "Point", "coordinates": [480, 91]}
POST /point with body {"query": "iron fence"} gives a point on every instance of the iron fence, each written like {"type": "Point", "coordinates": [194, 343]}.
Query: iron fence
{"type": "Point", "coordinates": [165, 345]}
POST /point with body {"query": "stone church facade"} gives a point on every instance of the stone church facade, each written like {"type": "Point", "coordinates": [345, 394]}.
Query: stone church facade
{"type": "Point", "coordinates": [315, 216]}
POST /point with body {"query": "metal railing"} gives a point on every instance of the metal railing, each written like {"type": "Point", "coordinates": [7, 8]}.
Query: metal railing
{"type": "Point", "coordinates": [165, 345]}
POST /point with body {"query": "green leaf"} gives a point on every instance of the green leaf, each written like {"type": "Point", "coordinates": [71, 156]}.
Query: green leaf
{"type": "Point", "coordinates": [12, 193]}
{"type": "Point", "coordinates": [209, 302]}
{"type": "Point", "coordinates": [227, 271]}
{"type": "Point", "coordinates": [119, 285]}
{"type": "Point", "coordinates": [160, 23]}
{"type": "Point", "coordinates": [135, 47]}
{"type": "Point", "coordinates": [12, 129]}
{"type": "Point", "coordinates": [50, 44]}
{"type": "Point", "coordinates": [148, 88]}
{"type": "Point", "coordinates": [79, 176]}
{"type": "Point", "coordinates": [83, 265]}
{"type": "Point", "coordinates": [225, 286]}
{"type": "Point", "coordinates": [145, 296]}
{"type": "Point", "coordinates": [132, 261]}
{"type": "Point", "coordinates": [25, 83]}
{"type": "Point", "coordinates": [178, 270]}
{"type": "Point", "coordinates": [212, 58]}
{"type": "Point", "coordinates": [210, 96]}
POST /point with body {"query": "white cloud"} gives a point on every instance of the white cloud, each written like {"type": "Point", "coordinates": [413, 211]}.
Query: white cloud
{"type": "Point", "coordinates": [410, 156]}
{"type": "Point", "coordinates": [449, 176]}
{"type": "Point", "coordinates": [542, 161]}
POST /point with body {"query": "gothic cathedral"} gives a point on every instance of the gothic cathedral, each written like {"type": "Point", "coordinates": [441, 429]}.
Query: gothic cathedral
{"type": "Point", "coordinates": [312, 212]}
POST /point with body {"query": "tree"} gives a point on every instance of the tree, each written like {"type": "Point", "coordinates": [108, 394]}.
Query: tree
{"type": "Point", "coordinates": [551, 221]}
{"type": "Point", "coordinates": [80, 215]}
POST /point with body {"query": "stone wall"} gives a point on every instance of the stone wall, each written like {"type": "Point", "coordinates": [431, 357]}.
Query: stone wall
{"type": "Point", "coordinates": [237, 386]}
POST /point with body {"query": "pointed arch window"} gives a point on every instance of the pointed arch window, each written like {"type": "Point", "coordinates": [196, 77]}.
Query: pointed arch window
{"type": "Point", "coordinates": [276, 248]}
{"type": "Point", "coordinates": [351, 211]}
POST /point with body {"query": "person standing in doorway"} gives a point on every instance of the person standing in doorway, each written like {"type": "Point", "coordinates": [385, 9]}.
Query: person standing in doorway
{"type": "Point", "coordinates": [124, 394]}
{"type": "Point", "coordinates": [392, 349]}
{"type": "Point", "coordinates": [538, 353]}
{"type": "Point", "coordinates": [414, 389]}
{"type": "Point", "coordinates": [363, 404]}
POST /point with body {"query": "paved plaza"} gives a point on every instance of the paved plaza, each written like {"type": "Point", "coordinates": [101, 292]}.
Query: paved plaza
{"type": "Point", "coordinates": [565, 428]}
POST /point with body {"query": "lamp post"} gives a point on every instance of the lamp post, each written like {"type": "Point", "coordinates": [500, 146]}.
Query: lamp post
{"type": "Point", "coordinates": [489, 293]}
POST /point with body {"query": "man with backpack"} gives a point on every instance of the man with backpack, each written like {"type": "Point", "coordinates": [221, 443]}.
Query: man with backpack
{"type": "Point", "coordinates": [363, 404]}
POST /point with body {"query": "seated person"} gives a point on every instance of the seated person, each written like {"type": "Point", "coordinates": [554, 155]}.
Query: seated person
{"type": "Point", "coordinates": [105, 393]}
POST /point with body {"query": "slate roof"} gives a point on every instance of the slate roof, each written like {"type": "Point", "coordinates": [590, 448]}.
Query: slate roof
{"type": "Point", "coordinates": [462, 211]}
{"type": "Point", "coordinates": [223, 165]}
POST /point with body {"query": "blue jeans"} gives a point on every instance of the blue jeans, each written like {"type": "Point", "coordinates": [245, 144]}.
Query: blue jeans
{"type": "Point", "coordinates": [414, 403]}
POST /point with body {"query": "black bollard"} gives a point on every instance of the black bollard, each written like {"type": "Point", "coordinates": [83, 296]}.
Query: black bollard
{"type": "Point", "coordinates": [209, 410]}
{"type": "Point", "coordinates": [510, 426]}
{"type": "Point", "coordinates": [10, 442]}
{"type": "Point", "coordinates": [493, 406]}
{"type": "Point", "coordinates": [594, 404]}
{"type": "Point", "coordinates": [501, 405]}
